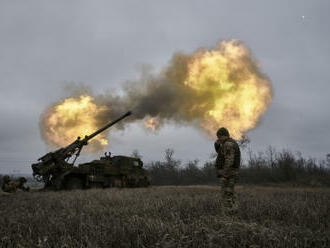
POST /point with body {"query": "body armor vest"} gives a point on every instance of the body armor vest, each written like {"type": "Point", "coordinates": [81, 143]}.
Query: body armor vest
{"type": "Point", "coordinates": [221, 155]}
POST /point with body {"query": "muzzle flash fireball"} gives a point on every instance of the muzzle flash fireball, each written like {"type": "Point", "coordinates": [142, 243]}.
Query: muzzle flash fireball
{"type": "Point", "coordinates": [207, 89]}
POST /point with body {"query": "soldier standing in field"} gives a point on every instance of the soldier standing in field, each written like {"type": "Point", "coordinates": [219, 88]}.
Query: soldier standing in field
{"type": "Point", "coordinates": [227, 163]}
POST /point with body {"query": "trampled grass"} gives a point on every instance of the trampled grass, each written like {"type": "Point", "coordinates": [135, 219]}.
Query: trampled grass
{"type": "Point", "coordinates": [188, 216]}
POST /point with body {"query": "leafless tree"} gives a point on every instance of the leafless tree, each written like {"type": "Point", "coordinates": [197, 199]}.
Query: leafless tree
{"type": "Point", "coordinates": [136, 154]}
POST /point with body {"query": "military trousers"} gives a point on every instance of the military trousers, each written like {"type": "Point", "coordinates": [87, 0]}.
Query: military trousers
{"type": "Point", "coordinates": [228, 192]}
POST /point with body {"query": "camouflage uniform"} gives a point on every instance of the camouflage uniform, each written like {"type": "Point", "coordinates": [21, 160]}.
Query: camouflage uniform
{"type": "Point", "coordinates": [227, 164]}
{"type": "Point", "coordinates": [11, 186]}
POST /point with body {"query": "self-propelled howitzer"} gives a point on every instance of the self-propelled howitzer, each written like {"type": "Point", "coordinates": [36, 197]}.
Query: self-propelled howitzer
{"type": "Point", "coordinates": [55, 170]}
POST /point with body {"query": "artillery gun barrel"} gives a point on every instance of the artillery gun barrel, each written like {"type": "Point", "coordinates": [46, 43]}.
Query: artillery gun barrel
{"type": "Point", "coordinates": [107, 126]}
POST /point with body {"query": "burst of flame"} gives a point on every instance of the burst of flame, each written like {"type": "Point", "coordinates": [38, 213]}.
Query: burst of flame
{"type": "Point", "coordinates": [73, 117]}
{"type": "Point", "coordinates": [209, 89]}
{"type": "Point", "coordinates": [152, 123]}
{"type": "Point", "coordinates": [236, 93]}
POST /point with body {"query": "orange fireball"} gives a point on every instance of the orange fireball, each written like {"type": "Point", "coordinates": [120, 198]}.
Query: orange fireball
{"type": "Point", "coordinates": [236, 92]}
{"type": "Point", "coordinates": [73, 117]}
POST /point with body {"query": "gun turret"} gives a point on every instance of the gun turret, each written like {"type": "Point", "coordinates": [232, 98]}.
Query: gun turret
{"type": "Point", "coordinates": [54, 162]}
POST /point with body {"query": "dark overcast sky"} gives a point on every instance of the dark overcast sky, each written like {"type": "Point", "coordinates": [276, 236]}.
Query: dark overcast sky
{"type": "Point", "coordinates": [102, 44]}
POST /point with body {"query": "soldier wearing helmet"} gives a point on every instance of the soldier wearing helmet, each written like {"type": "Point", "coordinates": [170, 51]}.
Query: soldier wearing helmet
{"type": "Point", "coordinates": [227, 165]}
{"type": "Point", "coordinates": [12, 185]}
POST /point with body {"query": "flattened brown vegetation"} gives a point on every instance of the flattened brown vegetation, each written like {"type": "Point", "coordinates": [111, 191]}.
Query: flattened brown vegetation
{"type": "Point", "coordinates": [166, 217]}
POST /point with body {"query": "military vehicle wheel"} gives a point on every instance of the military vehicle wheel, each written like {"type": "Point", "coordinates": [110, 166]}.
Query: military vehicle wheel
{"type": "Point", "coordinates": [73, 183]}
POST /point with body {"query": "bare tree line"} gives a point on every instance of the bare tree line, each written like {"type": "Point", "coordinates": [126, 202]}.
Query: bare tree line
{"type": "Point", "coordinates": [267, 167]}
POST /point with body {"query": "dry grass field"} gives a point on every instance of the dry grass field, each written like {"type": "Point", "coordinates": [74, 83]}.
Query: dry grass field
{"type": "Point", "coordinates": [188, 216]}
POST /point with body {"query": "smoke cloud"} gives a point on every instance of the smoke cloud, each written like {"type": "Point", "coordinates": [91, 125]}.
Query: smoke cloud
{"type": "Point", "coordinates": [208, 89]}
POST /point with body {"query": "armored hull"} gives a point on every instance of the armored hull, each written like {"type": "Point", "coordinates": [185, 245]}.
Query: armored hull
{"type": "Point", "coordinates": [116, 171]}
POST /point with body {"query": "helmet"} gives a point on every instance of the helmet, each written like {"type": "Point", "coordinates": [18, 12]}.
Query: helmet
{"type": "Point", "coordinates": [222, 132]}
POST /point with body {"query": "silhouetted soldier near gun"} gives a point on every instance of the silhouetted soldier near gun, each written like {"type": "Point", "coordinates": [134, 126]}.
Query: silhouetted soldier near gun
{"type": "Point", "coordinates": [227, 163]}
{"type": "Point", "coordinates": [12, 185]}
